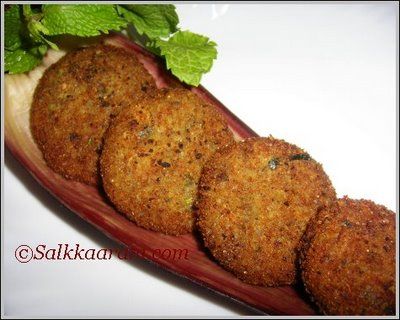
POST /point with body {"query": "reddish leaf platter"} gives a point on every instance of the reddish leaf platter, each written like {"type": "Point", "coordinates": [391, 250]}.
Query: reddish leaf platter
{"type": "Point", "coordinates": [89, 203]}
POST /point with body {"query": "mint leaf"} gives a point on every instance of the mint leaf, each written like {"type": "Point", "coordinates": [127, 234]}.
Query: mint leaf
{"type": "Point", "coordinates": [13, 25]}
{"type": "Point", "coordinates": [23, 50]}
{"type": "Point", "coordinates": [81, 19]}
{"type": "Point", "coordinates": [154, 20]}
{"type": "Point", "coordinates": [21, 60]}
{"type": "Point", "coordinates": [188, 55]}
{"type": "Point", "coordinates": [36, 30]}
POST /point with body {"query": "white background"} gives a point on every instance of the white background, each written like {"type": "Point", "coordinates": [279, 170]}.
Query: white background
{"type": "Point", "coordinates": [322, 76]}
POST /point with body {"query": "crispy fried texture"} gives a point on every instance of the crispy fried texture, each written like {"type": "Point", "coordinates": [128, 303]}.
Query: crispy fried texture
{"type": "Point", "coordinates": [347, 258]}
{"type": "Point", "coordinates": [73, 104]}
{"type": "Point", "coordinates": [255, 199]}
{"type": "Point", "coordinates": [153, 155]}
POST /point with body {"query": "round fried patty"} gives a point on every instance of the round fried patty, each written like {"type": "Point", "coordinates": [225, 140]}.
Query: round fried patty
{"type": "Point", "coordinates": [348, 259]}
{"type": "Point", "coordinates": [255, 199]}
{"type": "Point", "coordinates": [152, 158]}
{"type": "Point", "coordinates": [74, 101]}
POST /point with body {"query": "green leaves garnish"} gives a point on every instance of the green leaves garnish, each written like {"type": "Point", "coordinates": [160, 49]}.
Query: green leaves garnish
{"type": "Point", "coordinates": [20, 60]}
{"type": "Point", "coordinates": [13, 26]}
{"type": "Point", "coordinates": [188, 55]}
{"type": "Point", "coordinates": [37, 30]}
{"type": "Point", "coordinates": [81, 19]}
{"type": "Point", "coordinates": [24, 46]}
{"type": "Point", "coordinates": [155, 21]}
{"type": "Point", "coordinates": [29, 33]}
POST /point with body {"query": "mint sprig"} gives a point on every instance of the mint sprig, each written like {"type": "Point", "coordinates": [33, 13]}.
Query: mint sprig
{"type": "Point", "coordinates": [81, 20]}
{"type": "Point", "coordinates": [29, 33]}
{"type": "Point", "coordinates": [24, 47]}
{"type": "Point", "coordinates": [188, 55]}
{"type": "Point", "coordinates": [37, 30]}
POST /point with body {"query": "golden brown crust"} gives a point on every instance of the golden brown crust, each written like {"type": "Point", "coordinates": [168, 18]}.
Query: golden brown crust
{"type": "Point", "coordinates": [348, 259]}
{"type": "Point", "coordinates": [255, 199]}
{"type": "Point", "coordinates": [153, 155]}
{"type": "Point", "coordinates": [74, 101]}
